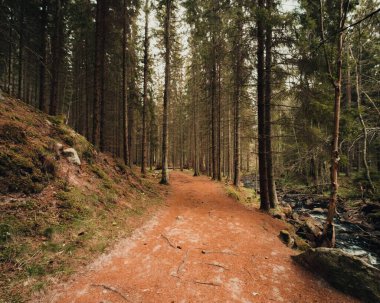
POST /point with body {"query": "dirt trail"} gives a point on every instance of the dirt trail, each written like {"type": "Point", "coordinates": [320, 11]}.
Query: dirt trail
{"type": "Point", "coordinates": [202, 247]}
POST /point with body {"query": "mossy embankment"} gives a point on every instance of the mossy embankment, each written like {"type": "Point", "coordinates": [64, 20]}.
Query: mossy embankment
{"type": "Point", "coordinates": [56, 216]}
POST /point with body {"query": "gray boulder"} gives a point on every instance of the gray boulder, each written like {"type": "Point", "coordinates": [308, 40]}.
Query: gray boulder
{"type": "Point", "coordinates": [71, 155]}
{"type": "Point", "coordinates": [343, 271]}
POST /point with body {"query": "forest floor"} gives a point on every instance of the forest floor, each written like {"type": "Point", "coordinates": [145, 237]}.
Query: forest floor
{"type": "Point", "coordinates": [202, 246]}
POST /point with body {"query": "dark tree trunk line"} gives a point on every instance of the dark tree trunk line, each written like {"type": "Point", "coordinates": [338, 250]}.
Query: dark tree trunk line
{"type": "Point", "coordinates": [145, 92]}
{"type": "Point", "coordinates": [264, 194]}
{"type": "Point", "coordinates": [268, 99]}
{"type": "Point", "coordinates": [165, 173]}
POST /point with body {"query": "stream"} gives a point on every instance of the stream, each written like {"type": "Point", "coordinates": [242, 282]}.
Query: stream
{"type": "Point", "coordinates": [350, 237]}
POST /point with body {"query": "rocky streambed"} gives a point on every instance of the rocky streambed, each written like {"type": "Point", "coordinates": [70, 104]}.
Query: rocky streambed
{"type": "Point", "coordinates": [355, 234]}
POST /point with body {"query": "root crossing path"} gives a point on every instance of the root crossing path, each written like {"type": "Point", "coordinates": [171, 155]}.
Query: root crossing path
{"type": "Point", "coordinates": [201, 247]}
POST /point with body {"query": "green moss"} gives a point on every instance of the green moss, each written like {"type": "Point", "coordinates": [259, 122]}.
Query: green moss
{"type": "Point", "coordinates": [233, 193]}
{"type": "Point", "coordinates": [23, 170]}
{"type": "Point", "coordinates": [73, 204]}
{"type": "Point", "coordinates": [34, 270]}
{"type": "Point", "coordinates": [12, 133]}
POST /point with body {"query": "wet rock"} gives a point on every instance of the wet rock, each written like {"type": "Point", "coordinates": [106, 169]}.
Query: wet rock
{"type": "Point", "coordinates": [371, 207]}
{"type": "Point", "coordinates": [318, 210]}
{"type": "Point", "coordinates": [295, 216]}
{"type": "Point", "coordinates": [309, 202]}
{"type": "Point", "coordinates": [314, 227]}
{"type": "Point", "coordinates": [286, 238]}
{"type": "Point", "coordinates": [71, 155]}
{"type": "Point", "coordinates": [345, 272]}
{"type": "Point", "coordinates": [280, 216]}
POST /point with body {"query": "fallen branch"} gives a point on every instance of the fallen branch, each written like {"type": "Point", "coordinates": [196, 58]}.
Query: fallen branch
{"type": "Point", "coordinates": [110, 288]}
{"type": "Point", "coordinates": [207, 283]}
{"type": "Point", "coordinates": [170, 243]}
{"type": "Point", "coordinates": [218, 252]}
{"type": "Point", "coordinates": [217, 265]}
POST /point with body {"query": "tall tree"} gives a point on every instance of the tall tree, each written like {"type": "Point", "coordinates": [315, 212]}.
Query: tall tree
{"type": "Point", "coordinates": [329, 230]}
{"type": "Point", "coordinates": [98, 108]}
{"type": "Point", "coordinates": [264, 194]}
{"type": "Point", "coordinates": [268, 99]}
{"type": "Point", "coordinates": [167, 42]}
{"type": "Point", "coordinates": [145, 89]}
{"type": "Point", "coordinates": [43, 57]}
{"type": "Point", "coordinates": [57, 47]}
{"type": "Point", "coordinates": [237, 91]}
{"type": "Point", "coordinates": [124, 85]}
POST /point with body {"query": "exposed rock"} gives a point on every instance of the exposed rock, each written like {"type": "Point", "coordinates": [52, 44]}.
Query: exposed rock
{"type": "Point", "coordinates": [371, 207]}
{"type": "Point", "coordinates": [280, 216]}
{"type": "Point", "coordinates": [286, 238]}
{"type": "Point", "coordinates": [314, 227]}
{"type": "Point", "coordinates": [71, 155]}
{"type": "Point", "coordinates": [300, 243]}
{"type": "Point", "coordinates": [345, 272]}
{"type": "Point", "coordinates": [309, 202]}
{"type": "Point", "coordinates": [318, 210]}
{"type": "Point", "coordinates": [287, 210]}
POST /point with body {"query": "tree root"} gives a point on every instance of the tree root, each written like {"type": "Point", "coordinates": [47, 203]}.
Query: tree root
{"type": "Point", "coordinates": [218, 252]}
{"type": "Point", "coordinates": [110, 288]}
{"type": "Point", "coordinates": [218, 265]}
{"type": "Point", "coordinates": [170, 242]}
{"type": "Point", "coordinates": [207, 283]}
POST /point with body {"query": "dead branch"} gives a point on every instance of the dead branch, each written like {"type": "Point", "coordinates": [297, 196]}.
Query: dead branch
{"type": "Point", "coordinates": [169, 242]}
{"type": "Point", "coordinates": [218, 252]}
{"type": "Point", "coordinates": [218, 265]}
{"type": "Point", "coordinates": [110, 288]}
{"type": "Point", "coordinates": [208, 283]}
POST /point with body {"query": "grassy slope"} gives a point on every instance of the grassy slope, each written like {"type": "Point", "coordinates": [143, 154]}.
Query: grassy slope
{"type": "Point", "coordinates": [55, 216]}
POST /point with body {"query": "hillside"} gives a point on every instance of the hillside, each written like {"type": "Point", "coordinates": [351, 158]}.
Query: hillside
{"type": "Point", "coordinates": [57, 214]}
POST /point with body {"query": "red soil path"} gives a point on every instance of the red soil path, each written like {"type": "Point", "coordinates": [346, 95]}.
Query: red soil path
{"type": "Point", "coordinates": [202, 247]}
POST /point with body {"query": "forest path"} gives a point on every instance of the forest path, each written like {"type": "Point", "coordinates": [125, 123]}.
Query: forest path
{"type": "Point", "coordinates": [202, 247]}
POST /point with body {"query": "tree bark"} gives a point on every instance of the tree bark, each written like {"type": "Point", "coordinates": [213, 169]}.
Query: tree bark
{"type": "Point", "coordinates": [145, 92]}
{"type": "Point", "coordinates": [273, 201]}
{"type": "Point", "coordinates": [43, 59]}
{"type": "Point", "coordinates": [124, 86]}
{"type": "Point", "coordinates": [21, 51]}
{"type": "Point", "coordinates": [328, 237]}
{"type": "Point", "coordinates": [237, 93]}
{"type": "Point", "coordinates": [165, 173]}
{"type": "Point", "coordinates": [57, 54]}
{"type": "Point", "coordinates": [264, 194]}
{"type": "Point", "coordinates": [98, 132]}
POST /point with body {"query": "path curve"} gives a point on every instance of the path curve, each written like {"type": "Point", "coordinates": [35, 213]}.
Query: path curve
{"type": "Point", "coordinates": [202, 247]}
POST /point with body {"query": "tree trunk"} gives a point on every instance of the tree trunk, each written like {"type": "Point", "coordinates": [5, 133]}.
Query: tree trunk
{"type": "Point", "coordinates": [237, 94]}
{"type": "Point", "coordinates": [264, 194]}
{"type": "Point", "coordinates": [268, 121]}
{"type": "Point", "coordinates": [145, 92]}
{"type": "Point", "coordinates": [165, 173]}
{"type": "Point", "coordinates": [364, 128]}
{"type": "Point", "coordinates": [328, 237]}
{"type": "Point", "coordinates": [57, 54]}
{"type": "Point", "coordinates": [98, 133]}
{"type": "Point", "coordinates": [43, 59]}
{"type": "Point", "coordinates": [21, 51]}
{"type": "Point", "coordinates": [124, 86]}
